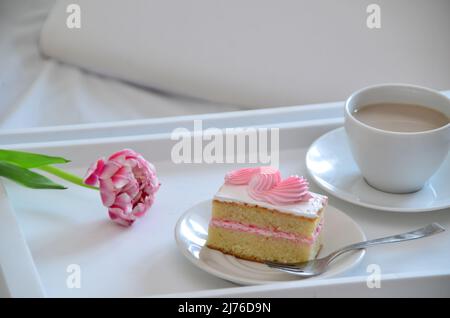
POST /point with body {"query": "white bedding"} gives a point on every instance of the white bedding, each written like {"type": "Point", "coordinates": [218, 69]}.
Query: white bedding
{"type": "Point", "coordinates": [256, 53]}
{"type": "Point", "coordinates": [35, 91]}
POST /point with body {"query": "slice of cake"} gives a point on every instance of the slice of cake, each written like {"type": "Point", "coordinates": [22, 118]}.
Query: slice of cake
{"type": "Point", "coordinates": [260, 217]}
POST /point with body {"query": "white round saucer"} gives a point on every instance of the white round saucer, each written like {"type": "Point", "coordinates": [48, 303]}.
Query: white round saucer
{"type": "Point", "coordinates": [191, 233]}
{"type": "Point", "coordinates": [330, 163]}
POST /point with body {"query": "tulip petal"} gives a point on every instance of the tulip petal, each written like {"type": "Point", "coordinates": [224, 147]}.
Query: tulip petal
{"type": "Point", "coordinates": [121, 178]}
{"type": "Point", "coordinates": [123, 202]}
{"type": "Point", "coordinates": [117, 218]}
{"type": "Point", "coordinates": [110, 169]}
{"type": "Point", "coordinates": [107, 193]}
{"type": "Point", "coordinates": [140, 209]}
{"type": "Point", "coordinates": [125, 153]}
{"type": "Point", "coordinates": [94, 171]}
{"type": "Point", "coordinates": [132, 188]}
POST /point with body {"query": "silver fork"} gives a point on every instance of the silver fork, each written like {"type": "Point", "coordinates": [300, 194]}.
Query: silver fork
{"type": "Point", "coordinates": [319, 266]}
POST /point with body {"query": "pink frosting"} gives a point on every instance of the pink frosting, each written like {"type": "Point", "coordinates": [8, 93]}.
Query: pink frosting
{"type": "Point", "coordinates": [240, 176]}
{"type": "Point", "coordinates": [236, 226]}
{"type": "Point", "coordinates": [265, 184]}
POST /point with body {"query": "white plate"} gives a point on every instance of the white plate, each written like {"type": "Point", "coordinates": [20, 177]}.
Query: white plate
{"type": "Point", "coordinates": [191, 233]}
{"type": "Point", "coordinates": [330, 164]}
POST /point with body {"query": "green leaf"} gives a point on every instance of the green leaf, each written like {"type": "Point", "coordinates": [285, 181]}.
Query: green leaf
{"type": "Point", "coordinates": [27, 177]}
{"type": "Point", "coordinates": [28, 159]}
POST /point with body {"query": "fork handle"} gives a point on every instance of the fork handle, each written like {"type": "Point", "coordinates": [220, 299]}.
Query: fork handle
{"type": "Point", "coordinates": [428, 230]}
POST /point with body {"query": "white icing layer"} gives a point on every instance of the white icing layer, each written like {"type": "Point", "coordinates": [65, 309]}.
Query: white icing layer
{"type": "Point", "coordinates": [238, 193]}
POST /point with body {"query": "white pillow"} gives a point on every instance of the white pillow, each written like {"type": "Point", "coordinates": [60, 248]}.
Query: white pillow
{"type": "Point", "coordinates": [255, 53]}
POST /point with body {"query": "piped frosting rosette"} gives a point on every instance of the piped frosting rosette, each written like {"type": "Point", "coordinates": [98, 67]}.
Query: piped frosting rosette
{"type": "Point", "coordinates": [265, 184]}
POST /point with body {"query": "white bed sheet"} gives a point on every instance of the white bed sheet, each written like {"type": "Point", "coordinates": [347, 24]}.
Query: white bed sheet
{"type": "Point", "coordinates": [256, 53]}
{"type": "Point", "coordinates": [35, 91]}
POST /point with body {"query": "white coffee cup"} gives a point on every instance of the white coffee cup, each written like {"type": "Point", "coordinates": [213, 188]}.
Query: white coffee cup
{"type": "Point", "coordinates": [397, 162]}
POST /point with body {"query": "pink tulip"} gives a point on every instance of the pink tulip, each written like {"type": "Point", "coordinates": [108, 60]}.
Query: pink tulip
{"type": "Point", "coordinates": [128, 184]}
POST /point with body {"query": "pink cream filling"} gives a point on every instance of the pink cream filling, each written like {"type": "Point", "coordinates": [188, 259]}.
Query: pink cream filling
{"type": "Point", "coordinates": [236, 226]}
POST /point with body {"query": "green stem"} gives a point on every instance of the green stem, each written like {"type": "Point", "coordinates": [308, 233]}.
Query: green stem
{"type": "Point", "coordinates": [66, 176]}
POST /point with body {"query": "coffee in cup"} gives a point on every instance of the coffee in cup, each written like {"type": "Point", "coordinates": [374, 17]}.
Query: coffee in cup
{"type": "Point", "coordinates": [399, 117]}
{"type": "Point", "coordinates": [399, 135]}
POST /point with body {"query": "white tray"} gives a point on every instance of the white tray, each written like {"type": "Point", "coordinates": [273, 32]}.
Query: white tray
{"type": "Point", "coordinates": [319, 113]}
{"type": "Point", "coordinates": [71, 227]}
{"type": "Point", "coordinates": [157, 126]}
